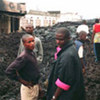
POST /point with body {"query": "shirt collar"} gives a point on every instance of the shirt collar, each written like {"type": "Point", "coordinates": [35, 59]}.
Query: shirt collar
{"type": "Point", "coordinates": [69, 43]}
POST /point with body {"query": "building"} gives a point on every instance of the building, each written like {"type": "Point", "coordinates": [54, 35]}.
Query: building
{"type": "Point", "coordinates": [39, 18]}
{"type": "Point", "coordinates": [44, 19]}
{"type": "Point", "coordinates": [10, 14]}
{"type": "Point", "coordinates": [69, 17]}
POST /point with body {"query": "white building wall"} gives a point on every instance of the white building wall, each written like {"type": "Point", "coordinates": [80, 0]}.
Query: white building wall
{"type": "Point", "coordinates": [69, 17]}
{"type": "Point", "coordinates": [48, 20]}
{"type": "Point", "coordinates": [44, 20]}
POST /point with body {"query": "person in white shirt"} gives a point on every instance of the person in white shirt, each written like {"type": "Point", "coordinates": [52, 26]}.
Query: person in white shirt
{"type": "Point", "coordinates": [83, 27]}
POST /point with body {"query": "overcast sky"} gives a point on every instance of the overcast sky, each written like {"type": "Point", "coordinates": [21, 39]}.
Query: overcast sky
{"type": "Point", "coordinates": [86, 8]}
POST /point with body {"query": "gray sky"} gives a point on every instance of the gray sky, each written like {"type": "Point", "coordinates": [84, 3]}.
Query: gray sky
{"type": "Point", "coordinates": [86, 8]}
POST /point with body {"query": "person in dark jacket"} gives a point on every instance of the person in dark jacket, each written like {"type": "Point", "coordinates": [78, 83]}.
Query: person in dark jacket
{"type": "Point", "coordinates": [66, 79]}
{"type": "Point", "coordinates": [24, 69]}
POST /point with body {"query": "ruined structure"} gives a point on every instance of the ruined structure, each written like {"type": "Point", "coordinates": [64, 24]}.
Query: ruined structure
{"type": "Point", "coordinates": [10, 14]}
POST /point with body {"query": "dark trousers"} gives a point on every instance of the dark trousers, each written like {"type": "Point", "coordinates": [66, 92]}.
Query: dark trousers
{"type": "Point", "coordinates": [97, 49]}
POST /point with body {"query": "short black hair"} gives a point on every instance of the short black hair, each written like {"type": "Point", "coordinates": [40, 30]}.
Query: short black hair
{"type": "Point", "coordinates": [96, 20]}
{"type": "Point", "coordinates": [63, 30]}
{"type": "Point", "coordinates": [24, 37]}
{"type": "Point", "coordinates": [82, 33]}
{"type": "Point", "coordinates": [84, 21]}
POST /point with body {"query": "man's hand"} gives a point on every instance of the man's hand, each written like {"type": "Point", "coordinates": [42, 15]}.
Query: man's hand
{"type": "Point", "coordinates": [83, 70]}
{"type": "Point", "coordinates": [46, 83]}
{"type": "Point", "coordinates": [54, 98]}
{"type": "Point", "coordinates": [28, 84]}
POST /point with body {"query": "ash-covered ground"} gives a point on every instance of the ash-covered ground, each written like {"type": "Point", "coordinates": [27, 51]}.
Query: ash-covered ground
{"type": "Point", "coordinates": [9, 43]}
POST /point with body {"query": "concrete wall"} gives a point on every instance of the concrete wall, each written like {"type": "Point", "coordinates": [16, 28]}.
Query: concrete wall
{"type": "Point", "coordinates": [38, 20]}
{"type": "Point", "coordinates": [69, 17]}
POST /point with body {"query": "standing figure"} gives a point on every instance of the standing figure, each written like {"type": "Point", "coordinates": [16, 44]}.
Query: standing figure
{"type": "Point", "coordinates": [66, 79]}
{"type": "Point", "coordinates": [96, 39]}
{"type": "Point", "coordinates": [80, 48]}
{"type": "Point", "coordinates": [24, 69]}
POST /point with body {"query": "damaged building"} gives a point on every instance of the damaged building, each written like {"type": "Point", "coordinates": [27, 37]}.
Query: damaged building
{"type": "Point", "coordinates": [40, 18]}
{"type": "Point", "coordinates": [44, 19]}
{"type": "Point", "coordinates": [10, 14]}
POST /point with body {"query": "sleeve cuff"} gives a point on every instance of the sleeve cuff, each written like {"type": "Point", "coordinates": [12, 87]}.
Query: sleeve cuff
{"type": "Point", "coordinates": [62, 85]}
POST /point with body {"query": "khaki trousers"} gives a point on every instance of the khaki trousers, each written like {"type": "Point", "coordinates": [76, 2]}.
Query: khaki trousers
{"type": "Point", "coordinates": [29, 93]}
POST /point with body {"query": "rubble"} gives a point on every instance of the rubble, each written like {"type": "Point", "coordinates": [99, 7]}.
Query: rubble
{"type": "Point", "coordinates": [9, 43]}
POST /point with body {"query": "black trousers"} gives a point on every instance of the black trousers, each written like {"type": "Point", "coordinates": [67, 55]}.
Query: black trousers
{"type": "Point", "coordinates": [97, 48]}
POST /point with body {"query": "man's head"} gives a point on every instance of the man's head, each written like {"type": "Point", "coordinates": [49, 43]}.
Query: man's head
{"type": "Point", "coordinates": [28, 41]}
{"type": "Point", "coordinates": [29, 29]}
{"type": "Point", "coordinates": [62, 36]}
{"type": "Point", "coordinates": [96, 20]}
{"type": "Point", "coordinates": [84, 22]}
{"type": "Point", "coordinates": [82, 35]}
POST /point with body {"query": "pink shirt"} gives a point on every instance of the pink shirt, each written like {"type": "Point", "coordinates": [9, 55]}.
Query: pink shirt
{"type": "Point", "coordinates": [58, 49]}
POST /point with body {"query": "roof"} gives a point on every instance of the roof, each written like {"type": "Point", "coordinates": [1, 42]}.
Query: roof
{"type": "Point", "coordinates": [34, 12]}
{"type": "Point", "coordinates": [12, 8]}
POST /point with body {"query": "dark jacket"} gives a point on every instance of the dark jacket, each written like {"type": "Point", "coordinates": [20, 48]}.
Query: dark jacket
{"type": "Point", "coordinates": [68, 69]}
{"type": "Point", "coordinates": [26, 66]}
{"type": "Point", "coordinates": [78, 44]}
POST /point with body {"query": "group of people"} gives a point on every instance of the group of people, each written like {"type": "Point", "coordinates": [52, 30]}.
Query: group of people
{"type": "Point", "coordinates": [95, 37]}
{"type": "Point", "coordinates": [24, 68]}
{"type": "Point", "coordinates": [65, 81]}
